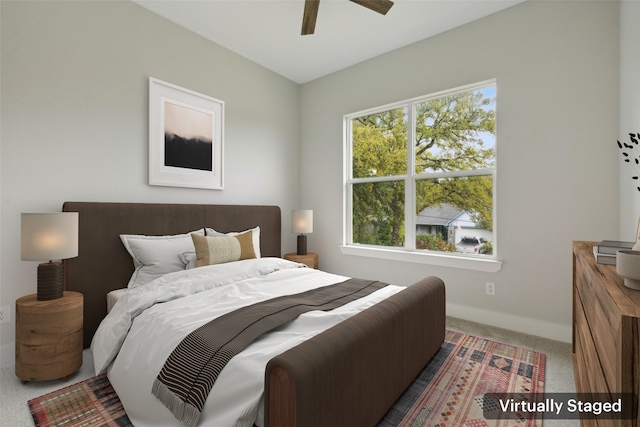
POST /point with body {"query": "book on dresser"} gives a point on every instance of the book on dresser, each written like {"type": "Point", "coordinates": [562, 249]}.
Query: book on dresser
{"type": "Point", "coordinates": [605, 251]}
{"type": "Point", "coordinates": [613, 246]}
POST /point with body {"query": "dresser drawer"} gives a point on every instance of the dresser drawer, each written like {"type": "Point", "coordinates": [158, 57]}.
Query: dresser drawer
{"type": "Point", "coordinates": [588, 371]}
{"type": "Point", "coordinates": [603, 319]}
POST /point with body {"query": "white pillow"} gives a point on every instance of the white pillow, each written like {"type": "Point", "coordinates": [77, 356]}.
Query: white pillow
{"type": "Point", "coordinates": [255, 232]}
{"type": "Point", "coordinates": [155, 256]}
{"type": "Point", "coordinates": [189, 259]}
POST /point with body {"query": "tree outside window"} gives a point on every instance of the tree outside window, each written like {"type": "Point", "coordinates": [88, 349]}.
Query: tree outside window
{"type": "Point", "coordinates": [421, 173]}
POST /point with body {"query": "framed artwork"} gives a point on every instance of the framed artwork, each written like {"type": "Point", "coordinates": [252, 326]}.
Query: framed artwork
{"type": "Point", "coordinates": [186, 137]}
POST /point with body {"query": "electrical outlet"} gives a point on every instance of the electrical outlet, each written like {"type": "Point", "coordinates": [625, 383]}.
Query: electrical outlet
{"type": "Point", "coordinates": [490, 288]}
{"type": "Point", "coordinates": [5, 314]}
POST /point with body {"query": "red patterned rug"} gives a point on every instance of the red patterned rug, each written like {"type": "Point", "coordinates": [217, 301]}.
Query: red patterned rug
{"type": "Point", "coordinates": [450, 389]}
{"type": "Point", "coordinates": [447, 393]}
{"type": "Point", "coordinates": [92, 402]}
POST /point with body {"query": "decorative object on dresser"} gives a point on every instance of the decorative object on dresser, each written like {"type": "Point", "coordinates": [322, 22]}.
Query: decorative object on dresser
{"type": "Point", "coordinates": [606, 332]}
{"type": "Point", "coordinates": [302, 222]}
{"type": "Point", "coordinates": [628, 153]}
{"type": "Point", "coordinates": [628, 266]}
{"type": "Point", "coordinates": [49, 236]}
{"type": "Point", "coordinates": [48, 337]}
{"type": "Point", "coordinates": [310, 259]}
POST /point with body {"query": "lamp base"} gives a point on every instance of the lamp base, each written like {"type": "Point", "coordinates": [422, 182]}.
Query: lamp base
{"type": "Point", "coordinates": [302, 244]}
{"type": "Point", "coordinates": [50, 281]}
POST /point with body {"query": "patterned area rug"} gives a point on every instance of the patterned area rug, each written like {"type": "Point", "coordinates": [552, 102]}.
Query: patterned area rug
{"type": "Point", "coordinates": [92, 402]}
{"type": "Point", "coordinates": [447, 393]}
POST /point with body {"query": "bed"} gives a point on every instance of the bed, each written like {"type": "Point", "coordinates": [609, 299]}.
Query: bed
{"type": "Point", "coordinates": [348, 373]}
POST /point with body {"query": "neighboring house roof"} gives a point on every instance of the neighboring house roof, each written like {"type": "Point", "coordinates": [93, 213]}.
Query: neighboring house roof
{"type": "Point", "coordinates": [439, 215]}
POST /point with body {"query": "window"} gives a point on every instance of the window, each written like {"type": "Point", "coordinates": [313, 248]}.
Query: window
{"type": "Point", "coordinates": [420, 174]}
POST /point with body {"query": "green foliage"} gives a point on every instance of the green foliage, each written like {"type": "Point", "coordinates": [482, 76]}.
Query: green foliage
{"type": "Point", "coordinates": [379, 144]}
{"type": "Point", "coordinates": [449, 133]}
{"type": "Point", "coordinates": [380, 213]}
{"type": "Point", "coordinates": [433, 242]}
{"type": "Point", "coordinates": [449, 136]}
{"type": "Point", "coordinates": [486, 248]}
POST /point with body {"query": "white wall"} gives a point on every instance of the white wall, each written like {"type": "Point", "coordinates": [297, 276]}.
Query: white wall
{"type": "Point", "coordinates": [556, 65]}
{"type": "Point", "coordinates": [629, 113]}
{"type": "Point", "coordinates": [74, 119]}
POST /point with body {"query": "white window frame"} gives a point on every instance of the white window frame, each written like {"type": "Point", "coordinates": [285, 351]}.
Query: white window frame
{"type": "Point", "coordinates": [409, 253]}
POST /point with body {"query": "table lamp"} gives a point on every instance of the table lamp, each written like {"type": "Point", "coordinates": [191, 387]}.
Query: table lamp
{"type": "Point", "coordinates": [49, 236]}
{"type": "Point", "coordinates": [302, 222]}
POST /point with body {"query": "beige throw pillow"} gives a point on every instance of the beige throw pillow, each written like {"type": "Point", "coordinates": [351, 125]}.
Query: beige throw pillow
{"type": "Point", "coordinates": [220, 249]}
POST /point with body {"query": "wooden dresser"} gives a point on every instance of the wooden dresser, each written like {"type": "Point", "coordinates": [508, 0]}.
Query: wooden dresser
{"type": "Point", "coordinates": [606, 331]}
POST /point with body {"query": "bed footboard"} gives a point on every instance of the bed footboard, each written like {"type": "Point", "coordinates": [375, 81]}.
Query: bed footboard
{"type": "Point", "coordinates": [351, 374]}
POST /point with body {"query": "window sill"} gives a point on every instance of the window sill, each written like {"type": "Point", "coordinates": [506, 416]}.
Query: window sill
{"type": "Point", "coordinates": [488, 265]}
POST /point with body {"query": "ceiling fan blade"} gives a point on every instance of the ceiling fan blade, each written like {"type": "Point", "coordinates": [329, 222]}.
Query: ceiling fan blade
{"type": "Point", "coordinates": [380, 6]}
{"type": "Point", "coordinates": [309, 17]}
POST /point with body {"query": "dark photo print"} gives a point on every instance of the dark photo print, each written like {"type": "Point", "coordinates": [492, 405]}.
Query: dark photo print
{"type": "Point", "coordinates": [188, 138]}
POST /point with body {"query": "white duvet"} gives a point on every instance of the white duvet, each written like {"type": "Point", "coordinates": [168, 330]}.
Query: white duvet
{"type": "Point", "coordinates": [147, 323]}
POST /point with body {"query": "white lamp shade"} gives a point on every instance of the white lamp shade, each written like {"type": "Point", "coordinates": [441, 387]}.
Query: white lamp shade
{"type": "Point", "coordinates": [302, 221]}
{"type": "Point", "coordinates": [49, 236]}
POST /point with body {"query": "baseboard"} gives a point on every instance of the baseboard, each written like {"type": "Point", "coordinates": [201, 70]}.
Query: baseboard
{"type": "Point", "coordinates": [7, 355]}
{"type": "Point", "coordinates": [540, 328]}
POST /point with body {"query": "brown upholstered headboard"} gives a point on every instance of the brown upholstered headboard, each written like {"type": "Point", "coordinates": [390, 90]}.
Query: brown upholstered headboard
{"type": "Point", "coordinates": [103, 264]}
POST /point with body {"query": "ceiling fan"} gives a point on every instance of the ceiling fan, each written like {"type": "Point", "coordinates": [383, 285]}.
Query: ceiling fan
{"type": "Point", "coordinates": [311, 11]}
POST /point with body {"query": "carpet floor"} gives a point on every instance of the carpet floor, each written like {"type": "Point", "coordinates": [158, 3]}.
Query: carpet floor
{"type": "Point", "coordinates": [448, 392]}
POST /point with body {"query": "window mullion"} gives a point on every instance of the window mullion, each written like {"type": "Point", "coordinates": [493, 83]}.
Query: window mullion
{"type": "Point", "coordinates": [348, 185]}
{"type": "Point", "coordinates": [409, 187]}
{"type": "Point", "coordinates": [455, 174]}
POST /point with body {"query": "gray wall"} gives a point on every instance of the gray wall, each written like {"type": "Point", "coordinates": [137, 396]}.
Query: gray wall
{"type": "Point", "coordinates": [75, 121]}
{"type": "Point", "coordinates": [556, 65]}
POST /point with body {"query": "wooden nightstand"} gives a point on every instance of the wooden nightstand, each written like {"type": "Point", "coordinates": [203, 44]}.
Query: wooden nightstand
{"type": "Point", "coordinates": [48, 337]}
{"type": "Point", "coordinates": [310, 259]}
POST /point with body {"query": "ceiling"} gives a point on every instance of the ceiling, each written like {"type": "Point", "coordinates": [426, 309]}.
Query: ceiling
{"type": "Point", "coordinates": [268, 31]}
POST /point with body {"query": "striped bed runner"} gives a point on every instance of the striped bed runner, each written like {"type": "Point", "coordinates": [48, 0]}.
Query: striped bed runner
{"type": "Point", "coordinates": [192, 368]}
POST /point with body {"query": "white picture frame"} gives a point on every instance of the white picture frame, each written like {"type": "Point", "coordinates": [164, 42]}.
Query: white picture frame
{"type": "Point", "coordinates": [186, 137]}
